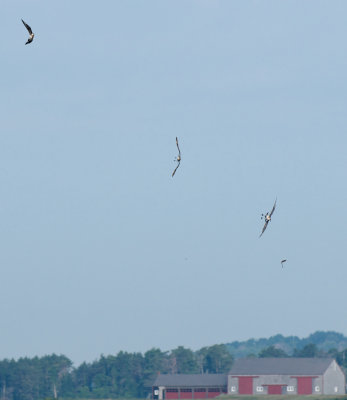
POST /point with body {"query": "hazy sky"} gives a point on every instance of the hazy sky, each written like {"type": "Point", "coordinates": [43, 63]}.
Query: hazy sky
{"type": "Point", "coordinates": [101, 250]}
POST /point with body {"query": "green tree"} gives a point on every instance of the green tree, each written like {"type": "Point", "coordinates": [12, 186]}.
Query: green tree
{"type": "Point", "coordinates": [155, 362]}
{"type": "Point", "coordinates": [310, 350]}
{"type": "Point", "coordinates": [272, 351]}
{"type": "Point", "coordinates": [215, 359]}
{"type": "Point", "coordinates": [183, 361]}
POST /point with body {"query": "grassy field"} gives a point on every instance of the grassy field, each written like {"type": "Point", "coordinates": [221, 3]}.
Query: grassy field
{"type": "Point", "coordinates": [262, 397]}
{"type": "Point", "coordinates": [284, 397]}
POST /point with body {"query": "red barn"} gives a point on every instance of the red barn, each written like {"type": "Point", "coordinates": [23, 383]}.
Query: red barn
{"type": "Point", "coordinates": [286, 376]}
{"type": "Point", "coordinates": [187, 386]}
{"type": "Point", "coordinates": [257, 376]}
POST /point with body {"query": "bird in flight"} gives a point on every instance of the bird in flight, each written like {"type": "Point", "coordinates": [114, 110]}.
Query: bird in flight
{"type": "Point", "coordinates": [31, 35]}
{"type": "Point", "coordinates": [178, 158]}
{"type": "Point", "coordinates": [267, 217]}
{"type": "Point", "coordinates": [283, 261]}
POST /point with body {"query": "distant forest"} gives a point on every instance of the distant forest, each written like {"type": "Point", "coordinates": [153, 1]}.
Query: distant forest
{"type": "Point", "coordinates": [130, 375]}
{"type": "Point", "coordinates": [323, 340]}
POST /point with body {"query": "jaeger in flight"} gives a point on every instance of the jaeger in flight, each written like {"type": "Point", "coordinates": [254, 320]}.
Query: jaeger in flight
{"type": "Point", "coordinates": [267, 217]}
{"type": "Point", "coordinates": [31, 35]}
{"type": "Point", "coordinates": [178, 158]}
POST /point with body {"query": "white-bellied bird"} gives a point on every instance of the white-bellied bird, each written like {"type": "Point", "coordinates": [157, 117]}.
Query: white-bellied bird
{"type": "Point", "coordinates": [31, 35]}
{"type": "Point", "coordinates": [178, 158]}
{"type": "Point", "coordinates": [267, 217]}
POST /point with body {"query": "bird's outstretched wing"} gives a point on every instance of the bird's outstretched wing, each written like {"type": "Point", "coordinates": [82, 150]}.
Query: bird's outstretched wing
{"type": "Point", "coordinates": [28, 28]}
{"type": "Point", "coordinates": [265, 226]}
{"type": "Point", "coordinates": [175, 169]}
{"type": "Point", "coordinates": [273, 208]}
{"type": "Point", "coordinates": [179, 151]}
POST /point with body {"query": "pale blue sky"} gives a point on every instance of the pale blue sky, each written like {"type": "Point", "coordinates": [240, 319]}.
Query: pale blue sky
{"type": "Point", "coordinates": [101, 250]}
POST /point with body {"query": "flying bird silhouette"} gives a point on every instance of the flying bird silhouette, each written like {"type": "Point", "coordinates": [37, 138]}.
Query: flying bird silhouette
{"type": "Point", "coordinates": [178, 158]}
{"type": "Point", "coordinates": [283, 261]}
{"type": "Point", "coordinates": [267, 217]}
{"type": "Point", "coordinates": [31, 35]}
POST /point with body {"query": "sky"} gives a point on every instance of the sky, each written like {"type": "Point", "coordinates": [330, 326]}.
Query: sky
{"type": "Point", "coordinates": [101, 250]}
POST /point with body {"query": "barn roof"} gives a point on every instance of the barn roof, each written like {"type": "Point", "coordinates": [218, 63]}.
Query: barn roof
{"type": "Point", "coordinates": [280, 366]}
{"type": "Point", "coordinates": [191, 380]}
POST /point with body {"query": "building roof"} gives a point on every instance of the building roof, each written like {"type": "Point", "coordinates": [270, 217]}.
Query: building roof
{"type": "Point", "coordinates": [191, 380]}
{"type": "Point", "coordinates": [280, 366]}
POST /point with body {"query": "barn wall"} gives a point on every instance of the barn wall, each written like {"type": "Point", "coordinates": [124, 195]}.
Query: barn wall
{"type": "Point", "coordinates": [290, 384]}
{"type": "Point", "coordinates": [317, 385]}
{"type": "Point", "coordinates": [171, 394]}
{"type": "Point", "coordinates": [161, 392]}
{"type": "Point", "coordinates": [200, 393]}
{"type": "Point", "coordinates": [186, 394]}
{"type": "Point", "coordinates": [233, 385]}
{"type": "Point", "coordinates": [334, 378]}
{"type": "Point", "coordinates": [190, 393]}
{"type": "Point", "coordinates": [271, 380]}
{"type": "Point", "coordinates": [211, 393]}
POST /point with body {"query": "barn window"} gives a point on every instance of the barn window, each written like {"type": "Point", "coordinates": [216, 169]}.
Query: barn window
{"type": "Point", "coordinates": [214, 390]}
{"type": "Point", "coordinates": [316, 389]}
{"type": "Point", "coordinates": [199, 390]}
{"type": "Point", "coordinates": [172, 390]}
{"type": "Point", "coordinates": [233, 389]}
{"type": "Point", "coordinates": [260, 389]}
{"type": "Point", "coordinates": [186, 390]}
{"type": "Point", "coordinates": [290, 388]}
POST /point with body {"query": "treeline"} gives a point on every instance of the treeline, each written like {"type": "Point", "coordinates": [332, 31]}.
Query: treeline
{"type": "Point", "coordinates": [123, 375]}
{"type": "Point", "coordinates": [310, 350]}
{"type": "Point", "coordinates": [323, 340]}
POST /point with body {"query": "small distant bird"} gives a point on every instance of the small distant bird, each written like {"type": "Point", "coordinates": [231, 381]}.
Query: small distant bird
{"type": "Point", "coordinates": [283, 261]}
{"type": "Point", "coordinates": [267, 217]}
{"type": "Point", "coordinates": [31, 35]}
{"type": "Point", "coordinates": [178, 158]}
